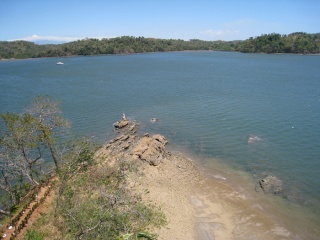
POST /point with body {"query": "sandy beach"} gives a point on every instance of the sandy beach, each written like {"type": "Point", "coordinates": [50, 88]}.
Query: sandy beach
{"type": "Point", "coordinates": [196, 206]}
{"type": "Point", "coordinates": [201, 208]}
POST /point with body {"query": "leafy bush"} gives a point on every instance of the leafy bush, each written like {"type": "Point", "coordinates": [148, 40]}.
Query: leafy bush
{"type": "Point", "coordinates": [96, 204]}
{"type": "Point", "coordinates": [33, 235]}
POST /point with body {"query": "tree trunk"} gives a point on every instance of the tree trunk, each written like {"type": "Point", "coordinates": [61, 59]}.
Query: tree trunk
{"type": "Point", "coordinates": [53, 154]}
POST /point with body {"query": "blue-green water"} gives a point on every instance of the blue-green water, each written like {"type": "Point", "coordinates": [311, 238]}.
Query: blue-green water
{"type": "Point", "coordinates": [208, 102]}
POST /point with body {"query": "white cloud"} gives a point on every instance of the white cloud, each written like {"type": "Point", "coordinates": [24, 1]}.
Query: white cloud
{"type": "Point", "coordinates": [238, 29]}
{"type": "Point", "coordinates": [37, 38]}
{"type": "Point", "coordinates": [48, 38]}
{"type": "Point", "coordinates": [221, 33]}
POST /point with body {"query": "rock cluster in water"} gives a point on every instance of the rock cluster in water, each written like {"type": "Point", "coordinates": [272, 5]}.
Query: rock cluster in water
{"type": "Point", "coordinates": [122, 123]}
{"type": "Point", "coordinates": [271, 184]}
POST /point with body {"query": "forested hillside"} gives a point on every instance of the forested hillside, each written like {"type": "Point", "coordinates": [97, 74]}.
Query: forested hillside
{"type": "Point", "coordinates": [119, 45]}
{"type": "Point", "coordinates": [301, 43]}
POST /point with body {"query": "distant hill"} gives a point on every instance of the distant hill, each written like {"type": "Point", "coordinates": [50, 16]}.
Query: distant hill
{"type": "Point", "coordinates": [119, 45]}
{"type": "Point", "coordinates": [302, 43]}
{"type": "Point", "coordinates": [299, 42]}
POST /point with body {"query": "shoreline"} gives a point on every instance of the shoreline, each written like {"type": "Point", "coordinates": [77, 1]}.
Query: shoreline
{"type": "Point", "coordinates": [253, 209]}
{"type": "Point", "coordinates": [119, 54]}
{"type": "Point", "coordinates": [215, 208]}
{"type": "Point", "coordinates": [197, 202]}
{"type": "Point", "coordinates": [199, 206]}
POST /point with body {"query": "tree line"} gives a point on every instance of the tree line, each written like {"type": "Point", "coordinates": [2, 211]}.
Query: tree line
{"type": "Point", "coordinates": [298, 42]}
{"type": "Point", "coordinates": [119, 45]}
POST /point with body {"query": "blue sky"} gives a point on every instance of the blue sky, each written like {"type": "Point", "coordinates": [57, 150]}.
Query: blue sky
{"type": "Point", "coordinates": [69, 20]}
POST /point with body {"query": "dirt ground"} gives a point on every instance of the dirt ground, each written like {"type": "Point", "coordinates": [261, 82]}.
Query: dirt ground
{"type": "Point", "coordinates": [10, 231]}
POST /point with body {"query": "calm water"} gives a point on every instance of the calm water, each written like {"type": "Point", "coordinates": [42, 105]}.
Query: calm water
{"type": "Point", "coordinates": [208, 102]}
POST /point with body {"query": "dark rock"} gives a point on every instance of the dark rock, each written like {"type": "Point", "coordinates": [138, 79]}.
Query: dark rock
{"type": "Point", "coordinates": [160, 139]}
{"type": "Point", "coordinates": [271, 184]}
{"type": "Point", "coordinates": [121, 124]}
{"type": "Point", "coordinates": [154, 119]}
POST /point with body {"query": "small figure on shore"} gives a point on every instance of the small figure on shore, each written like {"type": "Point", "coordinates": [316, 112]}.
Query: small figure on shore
{"type": "Point", "coordinates": [124, 116]}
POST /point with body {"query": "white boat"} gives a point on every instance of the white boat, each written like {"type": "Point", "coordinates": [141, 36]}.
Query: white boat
{"type": "Point", "coordinates": [59, 62]}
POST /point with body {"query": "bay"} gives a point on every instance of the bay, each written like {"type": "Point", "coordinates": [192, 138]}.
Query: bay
{"type": "Point", "coordinates": [255, 113]}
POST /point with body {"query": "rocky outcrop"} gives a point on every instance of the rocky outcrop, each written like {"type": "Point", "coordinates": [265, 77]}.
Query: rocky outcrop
{"type": "Point", "coordinates": [122, 123]}
{"type": "Point", "coordinates": [271, 184]}
{"type": "Point", "coordinates": [127, 136]}
{"type": "Point", "coordinates": [150, 149]}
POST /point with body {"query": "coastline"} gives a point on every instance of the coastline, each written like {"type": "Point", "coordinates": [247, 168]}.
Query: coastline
{"type": "Point", "coordinates": [198, 206]}
{"type": "Point", "coordinates": [119, 54]}
{"type": "Point", "coordinates": [196, 122]}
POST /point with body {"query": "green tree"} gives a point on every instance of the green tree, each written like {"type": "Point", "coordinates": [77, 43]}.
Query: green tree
{"type": "Point", "coordinates": [20, 145]}
{"type": "Point", "coordinates": [26, 140]}
{"type": "Point", "coordinates": [50, 124]}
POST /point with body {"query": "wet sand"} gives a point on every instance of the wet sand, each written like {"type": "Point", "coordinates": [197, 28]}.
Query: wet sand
{"type": "Point", "coordinates": [198, 207]}
{"type": "Point", "coordinates": [225, 206]}
{"type": "Point", "coordinates": [205, 201]}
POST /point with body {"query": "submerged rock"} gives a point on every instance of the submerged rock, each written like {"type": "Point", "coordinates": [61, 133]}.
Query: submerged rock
{"type": "Point", "coordinates": [253, 139]}
{"type": "Point", "coordinates": [271, 184]}
{"type": "Point", "coordinates": [154, 119]}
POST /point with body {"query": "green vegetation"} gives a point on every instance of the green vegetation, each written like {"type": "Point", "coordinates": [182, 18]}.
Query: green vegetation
{"type": "Point", "coordinates": [96, 203]}
{"type": "Point", "coordinates": [26, 141]}
{"type": "Point", "coordinates": [299, 42]}
{"type": "Point", "coordinates": [119, 45]}
{"type": "Point", "coordinates": [93, 198]}
{"type": "Point", "coordinates": [33, 235]}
